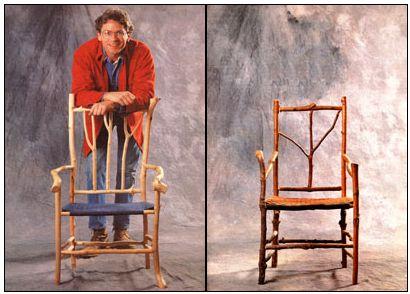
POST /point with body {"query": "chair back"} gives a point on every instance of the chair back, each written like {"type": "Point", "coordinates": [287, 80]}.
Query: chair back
{"type": "Point", "coordinates": [277, 133]}
{"type": "Point", "coordinates": [108, 124]}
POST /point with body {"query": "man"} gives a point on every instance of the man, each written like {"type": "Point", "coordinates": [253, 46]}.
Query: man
{"type": "Point", "coordinates": [113, 73]}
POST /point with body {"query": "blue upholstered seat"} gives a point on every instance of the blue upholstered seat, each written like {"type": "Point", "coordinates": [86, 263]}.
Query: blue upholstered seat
{"type": "Point", "coordinates": [85, 209]}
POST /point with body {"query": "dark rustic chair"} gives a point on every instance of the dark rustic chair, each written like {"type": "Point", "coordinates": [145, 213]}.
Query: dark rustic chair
{"type": "Point", "coordinates": [75, 248]}
{"type": "Point", "coordinates": [277, 202]}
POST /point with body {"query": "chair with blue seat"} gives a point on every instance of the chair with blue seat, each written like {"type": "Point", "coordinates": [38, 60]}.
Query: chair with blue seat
{"type": "Point", "coordinates": [278, 202]}
{"type": "Point", "coordinates": [76, 248]}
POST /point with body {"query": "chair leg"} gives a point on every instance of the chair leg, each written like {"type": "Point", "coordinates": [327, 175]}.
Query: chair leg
{"type": "Point", "coordinates": [275, 240]}
{"type": "Point", "coordinates": [355, 184]}
{"type": "Point", "coordinates": [147, 261]}
{"type": "Point", "coordinates": [145, 222]}
{"type": "Point", "coordinates": [262, 250]}
{"type": "Point", "coordinates": [72, 234]}
{"type": "Point", "coordinates": [355, 248]}
{"type": "Point", "coordinates": [343, 226]}
{"type": "Point", "coordinates": [57, 234]}
{"type": "Point", "coordinates": [73, 262]}
{"type": "Point", "coordinates": [160, 280]}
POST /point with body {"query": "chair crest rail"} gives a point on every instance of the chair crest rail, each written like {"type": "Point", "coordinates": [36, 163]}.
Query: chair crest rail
{"type": "Point", "coordinates": [309, 107]}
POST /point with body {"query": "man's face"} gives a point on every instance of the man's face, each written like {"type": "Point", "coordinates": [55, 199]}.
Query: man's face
{"type": "Point", "coordinates": [113, 37]}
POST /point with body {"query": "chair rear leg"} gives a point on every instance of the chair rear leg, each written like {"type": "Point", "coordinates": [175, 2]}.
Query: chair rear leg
{"type": "Point", "coordinates": [73, 262]}
{"type": "Point", "coordinates": [275, 240]}
{"type": "Point", "coordinates": [343, 226]}
{"type": "Point", "coordinates": [262, 250]}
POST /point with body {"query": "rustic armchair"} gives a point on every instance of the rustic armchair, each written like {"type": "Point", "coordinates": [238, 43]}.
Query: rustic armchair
{"type": "Point", "coordinates": [75, 248]}
{"type": "Point", "coordinates": [277, 202]}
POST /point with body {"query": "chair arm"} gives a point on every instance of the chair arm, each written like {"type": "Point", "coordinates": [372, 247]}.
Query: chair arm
{"type": "Point", "coordinates": [271, 162]}
{"type": "Point", "coordinates": [353, 170]}
{"type": "Point", "coordinates": [264, 173]}
{"type": "Point", "coordinates": [157, 184]}
{"type": "Point", "coordinates": [261, 160]}
{"type": "Point", "coordinates": [349, 164]}
{"type": "Point", "coordinates": [56, 178]}
{"type": "Point", "coordinates": [259, 156]}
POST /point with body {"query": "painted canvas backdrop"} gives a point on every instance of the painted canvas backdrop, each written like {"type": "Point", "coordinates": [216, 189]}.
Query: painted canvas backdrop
{"type": "Point", "coordinates": [303, 54]}
{"type": "Point", "coordinates": [299, 55]}
{"type": "Point", "coordinates": [39, 44]}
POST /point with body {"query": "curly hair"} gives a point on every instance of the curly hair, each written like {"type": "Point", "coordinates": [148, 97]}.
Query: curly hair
{"type": "Point", "coordinates": [116, 14]}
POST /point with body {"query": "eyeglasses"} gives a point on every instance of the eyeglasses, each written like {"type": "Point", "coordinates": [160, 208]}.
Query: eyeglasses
{"type": "Point", "coordinates": [109, 34]}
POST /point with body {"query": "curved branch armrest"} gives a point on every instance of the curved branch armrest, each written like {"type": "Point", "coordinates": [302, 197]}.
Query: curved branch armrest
{"type": "Point", "coordinates": [152, 103]}
{"type": "Point", "coordinates": [348, 164]}
{"type": "Point", "coordinates": [56, 178]}
{"type": "Point", "coordinates": [259, 156]}
{"type": "Point", "coordinates": [271, 162]}
{"type": "Point", "coordinates": [261, 160]}
{"type": "Point", "coordinates": [157, 184]}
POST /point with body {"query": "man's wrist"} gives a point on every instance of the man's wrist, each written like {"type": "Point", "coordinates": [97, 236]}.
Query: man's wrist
{"type": "Point", "coordinates": [105, 96]}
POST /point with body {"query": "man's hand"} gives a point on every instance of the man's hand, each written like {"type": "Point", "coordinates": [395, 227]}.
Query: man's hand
{"type": "Point", "coordinates": [102, 108]}
{"type": "Point", "coordinates": [123, 98]}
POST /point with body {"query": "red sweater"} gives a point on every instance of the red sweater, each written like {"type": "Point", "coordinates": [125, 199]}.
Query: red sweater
{"type": "Point", "coordinates": [90, 81]}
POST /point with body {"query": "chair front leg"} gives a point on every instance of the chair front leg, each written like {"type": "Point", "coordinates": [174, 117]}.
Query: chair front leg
{"type": "Point", "coordinates": [355, 246]}
{"type": "Point", "coordinates": [57, 233]}
{"type": "Point", "coordinates": [262, 207]}
{"type": "Point", "coordinates": [262, 250]}
{"type": "Point", "coordinates": [355, 182]}
{"type": "Point", "coordinates": [160, 280]}
{"type": "Point", "coordinates": [72, 235]}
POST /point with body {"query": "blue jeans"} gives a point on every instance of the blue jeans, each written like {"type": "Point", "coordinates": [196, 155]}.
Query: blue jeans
{"type": "Point", "coordinates": [131, 163]}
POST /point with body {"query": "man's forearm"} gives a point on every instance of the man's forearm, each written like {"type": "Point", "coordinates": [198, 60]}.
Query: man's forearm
{"type": "Point", "coordinates": [134, 107]}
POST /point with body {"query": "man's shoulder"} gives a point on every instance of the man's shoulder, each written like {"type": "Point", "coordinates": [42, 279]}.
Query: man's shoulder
{"type": "Point", "coordinates": [89, 48]}
{"type": "Point", "coordinates": [136, 46]}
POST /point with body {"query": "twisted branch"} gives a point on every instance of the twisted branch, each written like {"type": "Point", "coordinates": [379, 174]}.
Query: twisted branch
{"type": "Point", "coordinates": [328, 132]}
{"type": "Point", "coordinates": [283, 135]}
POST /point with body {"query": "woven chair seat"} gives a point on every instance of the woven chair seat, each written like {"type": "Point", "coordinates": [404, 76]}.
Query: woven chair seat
{"type": "Point", "coordinates": [85, 209]}
{"type": "Point", "coordinates": [285, 203]}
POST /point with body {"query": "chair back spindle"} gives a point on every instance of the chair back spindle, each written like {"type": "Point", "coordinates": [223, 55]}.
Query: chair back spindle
{"type": "Point", "coordinates": [109, 126]}
{"type": "Point", "coordinates": [275, 171]}
{"type": "Point", "coordinates": [145, 147]}
{"type": "Point", "coordinates": [71, 140]}
{"type": "Point", "coordinates": [344, 130]}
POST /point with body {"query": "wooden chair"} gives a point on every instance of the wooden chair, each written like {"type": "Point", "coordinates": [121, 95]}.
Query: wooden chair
{"type": "Point", "coordinates": [75, 248]}
{"type": "Point", "coordinates": [278, 202]}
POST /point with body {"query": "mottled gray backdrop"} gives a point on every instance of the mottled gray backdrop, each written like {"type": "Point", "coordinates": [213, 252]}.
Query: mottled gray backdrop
{"type": "Point", "coordinates": [39, 45]}
{"type": "Point", "coordinates": [303, 54]}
